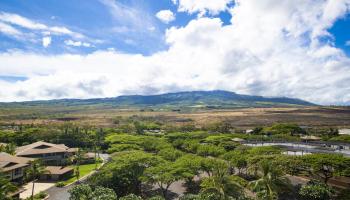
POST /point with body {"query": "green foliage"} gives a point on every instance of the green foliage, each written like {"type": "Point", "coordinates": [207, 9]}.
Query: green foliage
{"type": "Point", "coordinates": [123, 173]}
{"type": "Point", "coordinates": [39, 196]}
{"type": "Point", "coordinates": [80, 192]}
{"type": "Point", "coordinates": [265, 150]}
{"type": "Point", "coordinates": [271, 183]}
{"type": "Point", "coordinates": [170, 154]}
{"type": "Point", "coordinates": [326, 166]}
{"type": "Point", "coordinates": [344, 194]}
{"type": "Point", "coordinates": [210, 150]}
{"type": "Point", "coordinates": [217, 139]}
{"type": "Point", "coordinates": [130, 197]}
{"type": "Point", "coordinates": [290, 129]}
{"type": "Point", "coordinates": [316, 191]}
{"type": "Point", "coordinates": [6, 187]}
{"type": "Point", "coordinates": [123, 147]}
{"type": "Point", "coordinates": [156, 198]}
{"type": "Point", "coordinates": [164, 174]}
{"type": "Point", "coordinates": [84, 192]}
{"type": "Point", "coordinates": [219, 127]}
{"type": "Point", "coordinates": [341, 138]}
{"type": "Point", "coordinates": [60, 184]}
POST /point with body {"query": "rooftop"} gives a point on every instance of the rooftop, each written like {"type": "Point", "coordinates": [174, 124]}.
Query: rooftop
{"type": "Point", "coordinates": [9, 162]}
{"type": "Point", "coordinates": [57, 170]}
{"type": "Point", "coordinates": [41, 148]}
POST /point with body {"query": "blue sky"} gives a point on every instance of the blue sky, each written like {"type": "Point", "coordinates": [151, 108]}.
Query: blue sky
{"type": "Point", "coordinates": [95, 20]}
{"type": "Point", "coordinates": [114, 47]}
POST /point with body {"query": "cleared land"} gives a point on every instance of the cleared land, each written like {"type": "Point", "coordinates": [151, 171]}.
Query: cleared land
{"type": "Point", "coordinates": [240, 117]}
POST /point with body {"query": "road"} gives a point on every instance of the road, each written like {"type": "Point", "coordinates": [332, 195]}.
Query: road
{"type": "Point", "coordinates": [57, 193]}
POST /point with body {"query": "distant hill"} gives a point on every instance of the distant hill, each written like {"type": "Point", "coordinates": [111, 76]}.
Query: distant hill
{"type": "Point", "coordinates": [192, 99]}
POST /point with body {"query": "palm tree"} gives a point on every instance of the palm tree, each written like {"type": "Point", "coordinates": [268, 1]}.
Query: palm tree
{"type": "Point", "coordinates": [221, 183]}
{"type": "Point", "coordinates": [270, 183]}
{"type": "Point", "coordinates": [78, 158]}
{"type": "Point", "coordinates": [34, 171]}
{"type": "Point", "coordinates": [6, 186]}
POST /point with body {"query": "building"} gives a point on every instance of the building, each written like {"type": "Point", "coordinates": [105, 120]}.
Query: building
{"type": "Point", "coordinates": [56, 173]}
{"type": "Point", "coordinates": [13, 166]}
{"type": "Point", "coordinates": [344, 131]}
{"type": "Point", "coordinates": [50, 154]}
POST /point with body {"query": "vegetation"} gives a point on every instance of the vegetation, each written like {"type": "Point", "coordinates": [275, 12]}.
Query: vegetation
{"type": "Point", "coordinates": [6, 187]}
{"type": "Point", "coordinates": [33, 173]}
{"type": "Point", "coordinates": [149, 158]}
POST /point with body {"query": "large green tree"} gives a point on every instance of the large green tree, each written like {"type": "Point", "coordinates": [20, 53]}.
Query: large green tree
{"type": "Point", "coordinates": [326, 166]}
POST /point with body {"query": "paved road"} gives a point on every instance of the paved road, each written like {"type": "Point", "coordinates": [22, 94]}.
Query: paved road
{"type": "Point", "coordinates": [57, 193]}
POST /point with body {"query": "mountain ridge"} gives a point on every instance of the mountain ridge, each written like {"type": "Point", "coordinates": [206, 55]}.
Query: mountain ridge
{"type": "Point", "coordinates": [213, 98]}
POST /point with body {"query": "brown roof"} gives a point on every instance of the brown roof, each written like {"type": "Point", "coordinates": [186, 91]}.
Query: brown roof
{"type": "Point", "coordinates": [58, 170]}
{"type": "Point", "coordinates": [9, 162]}
{"type": "Point", "coordinates": [41, 148]}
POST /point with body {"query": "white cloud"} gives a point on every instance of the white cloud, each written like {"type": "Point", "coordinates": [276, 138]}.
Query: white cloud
{"type": "Point", "coordinates": [165, 16]}
{"type": "Point", "coordinates": [46, 41]}
{"type": "Point", "coordinates": [272, 48]}
{"type": "Point", "coordinates": [129, 18]}
{"type": "Point", "coordinates": [77, 43]}
{"type": "Point", "coordinates": [347, 43]}
{"type": "Point", "coordinates": [18, 20]}
{"type": "Point", "coordinates": [9, 30]}
{"type": "Point", "coordinates": [212, 7]}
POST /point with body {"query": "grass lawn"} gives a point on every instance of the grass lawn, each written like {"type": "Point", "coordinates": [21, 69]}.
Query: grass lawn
{"type": "Point", "coordinates": [84, 170]}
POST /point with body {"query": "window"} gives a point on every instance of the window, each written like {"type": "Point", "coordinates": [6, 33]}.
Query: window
{"type": "Point", "coordinates": [18, 171]}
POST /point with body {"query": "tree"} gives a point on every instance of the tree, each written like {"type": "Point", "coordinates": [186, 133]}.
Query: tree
{"type": "Point", "coordinates": [80, 192]}
{"type": "Point", "coordinates": [8, 148]}
{"type": "Point", "coordinates": [123, 173]}
{"type": "Point", "coordinates": [130, 197]}
{"type": "Point", "coordinates": [6, 187]}
{"type": "Point", "coordinates": [34, 171]}
{"type": "Point", "coordinates": [326, 166]}
{"type": "Point", "coordinates": [164, 174]}
{"type": "Point", "coordinates": [221, 183]}
{"type": "Point", "coordinates": [270, 183]}
{"type": "Point", "coordinates": [78, 159]}
{"type": "Point", "coordinates": [210, 150]}
{"type": "Point", "coordinates": [170, 154]}
{"type": "Point", "coordinates": [84, 192]}
{"type": "Point", "coordinates": [315, 190]}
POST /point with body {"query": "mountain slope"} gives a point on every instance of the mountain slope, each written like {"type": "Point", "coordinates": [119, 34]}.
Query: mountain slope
{"type": "Point", "coordinates": [216, 98]}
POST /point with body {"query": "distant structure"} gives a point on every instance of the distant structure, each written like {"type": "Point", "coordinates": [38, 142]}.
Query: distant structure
{"type": "Point", "coordinates": [345, 131]}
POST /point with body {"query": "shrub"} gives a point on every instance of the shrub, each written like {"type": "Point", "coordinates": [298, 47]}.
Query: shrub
{"type": "Point", "coordinates": [60, 184]}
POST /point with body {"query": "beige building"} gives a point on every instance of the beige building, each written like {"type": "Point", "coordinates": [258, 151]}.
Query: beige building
{"type": "Point", "coordinates": [50, 154]}
{"type": "Point", "coordinates": [56, 173]}
{"type": "Point", "coordinates": [13, 166]}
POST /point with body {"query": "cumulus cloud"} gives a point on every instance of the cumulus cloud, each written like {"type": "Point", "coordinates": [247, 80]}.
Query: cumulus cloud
{"type": "Point", "coordinates": [202, 7]}
{"type": "Point", "coordinates": [271, 48]}
{"type": "Point", "coordinates": [77, 43]}
{"type": "Point", "coordinates": [165, 16]}
{"type": "Point", "coordinates": [46, 41]}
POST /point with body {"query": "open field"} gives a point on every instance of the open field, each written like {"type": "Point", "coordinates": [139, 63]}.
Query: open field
{"type": "Point", "coordinates": [240, 117]}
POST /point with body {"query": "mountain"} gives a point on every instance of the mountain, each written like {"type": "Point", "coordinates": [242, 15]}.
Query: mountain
{"type": "Point", "coordinates": [206, 99]}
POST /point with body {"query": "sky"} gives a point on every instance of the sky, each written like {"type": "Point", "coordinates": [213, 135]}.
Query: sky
{"type": "Point", "coordinates": [56, 49]}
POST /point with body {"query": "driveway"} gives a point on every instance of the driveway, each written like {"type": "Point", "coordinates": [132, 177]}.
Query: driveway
{"type": "Point", "coordinates": [38, 187]}
{"type": "Point", "coordinates": [57, 193]}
